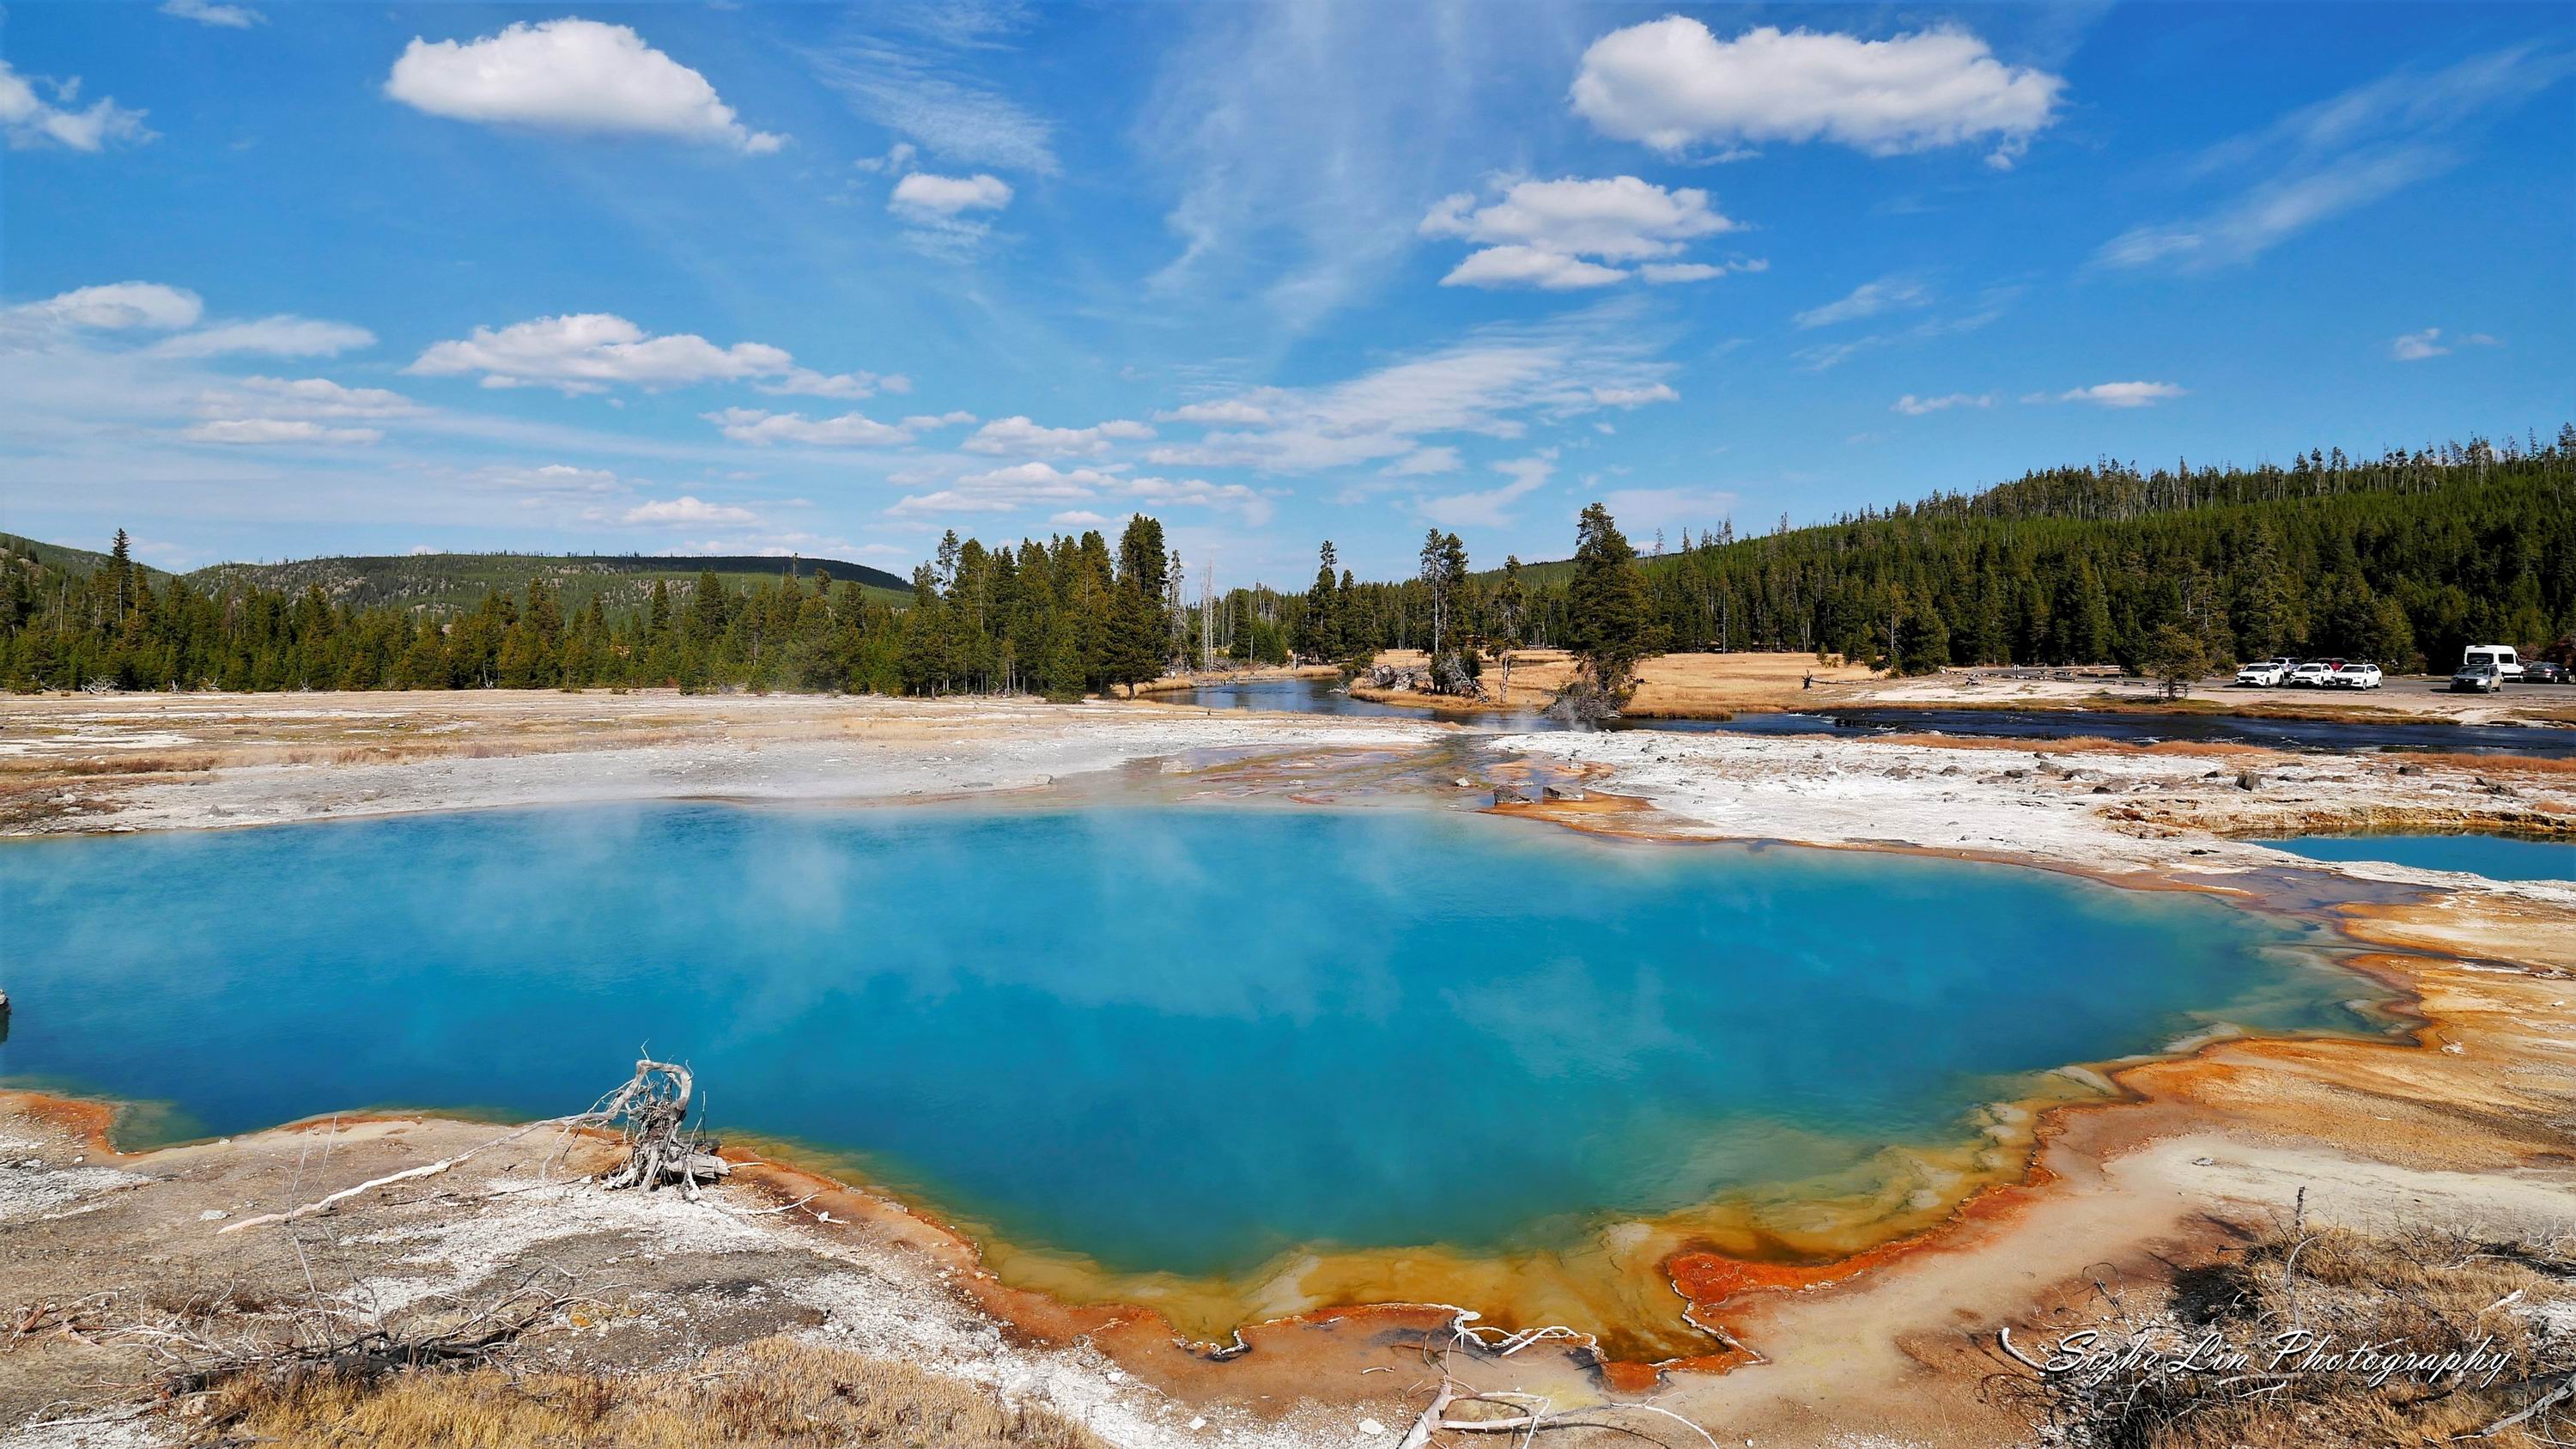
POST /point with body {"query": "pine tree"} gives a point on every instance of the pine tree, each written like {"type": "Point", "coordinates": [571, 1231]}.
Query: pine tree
{"type": "Point", "coordinates": [1322, 636]}
{"type": "Point", "coordinates": [1606, 603]}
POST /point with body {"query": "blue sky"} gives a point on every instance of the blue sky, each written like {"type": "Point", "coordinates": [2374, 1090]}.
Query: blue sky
{"type": "Point", "coordinates": [279, 279]}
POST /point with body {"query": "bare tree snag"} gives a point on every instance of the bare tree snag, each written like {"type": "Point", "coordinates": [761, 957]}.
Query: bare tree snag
{"type": "Point", "coordinates": [650, 1113]}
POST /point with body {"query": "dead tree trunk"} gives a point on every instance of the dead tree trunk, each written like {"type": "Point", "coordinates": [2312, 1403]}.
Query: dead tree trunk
{"type": "Point", "coordinates": [652, 1114]}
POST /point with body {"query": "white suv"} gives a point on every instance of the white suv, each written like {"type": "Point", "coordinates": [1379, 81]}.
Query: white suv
{"type": "Point", "coordinates": [2266, 673]}
{"type": "Point", "coordinates": [2316, 673]}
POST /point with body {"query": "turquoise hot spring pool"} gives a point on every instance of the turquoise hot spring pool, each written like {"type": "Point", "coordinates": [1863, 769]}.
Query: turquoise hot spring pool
{"type": "Point", "coordinates": [1163, 1038]}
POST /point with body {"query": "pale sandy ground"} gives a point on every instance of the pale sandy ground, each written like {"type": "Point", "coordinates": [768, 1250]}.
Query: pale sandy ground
{"type": "Point", "coordinates": [2164, 811]}
{"type": "Point", "coordinates": [177, 762]}
{"type": "Point", "coordinates": [2480, 1126]}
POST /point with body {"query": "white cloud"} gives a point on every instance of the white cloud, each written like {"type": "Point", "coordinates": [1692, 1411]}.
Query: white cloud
{"type": "Point", "coordinates": [552, 478]}
{"type": "Point", "coordinates": [849, 430]}
{"type": "Point", "coordinates": [115, 307]}
{"type": "Point", "coordinates": [1534, 233]}
{"type": "Point", "coordinates": [587, 352]}
{"type": "Point", "coordinates": [1422, 462]}
{"type": "Point", "coordinates": [687, 509]}
{"type": "Point", "coordinates": [29, 120]}
{"type": "Point", "coordinates": [1020, 435]}
{"type": "Point", "coordinates": [1078, 518]}
{"type": "Point", "coordinates": [1629, 397]}
{"type": "Point", "coordinates": [1915, 407]}
{"type": "Point", "coordinates": [230, 17]}
{"type": "Point", "coordinates": [280, 336]}
{"type": "Point", "coordinates": [806, 382]}
{"type": "Point", "coordinates": [1005, 490]}
{"type": "Point", "coordinates": [1492, 507]}
{"type": "Point", "coordinates": [1887, 294]}
{"type": "Point", "coordinates": [1197, 493]}
{"type": "Point", "coordinates": [2339, 155]}
{"type": "Point", "coordinates": [924, 197]}
{"type": "Point", "coordinates": [2417, 346]}
{"type": "Point", "coordinates": [278, 430]}
{"type": "Point", "coordinates": [2117, 394]}
{"type": "Point", "coordinates": [1530, 267]}
{"type": "Point", "coordinates": [1667, 272]}
{"type": "Point", "coordinates": [928, 422]}
{"type": "Point", "coordinates": [1617, 219]}
{"type": "Point", "coordinates": [896, 161]}
{"type": "Point", "coordinates": [1672, 85]}
{"type": "Point", "coordinates": [310, 397]}
{"type": "Point", "coordinates": [570, 75]}
{"type": "Point", "coordinates": [1232, 410]}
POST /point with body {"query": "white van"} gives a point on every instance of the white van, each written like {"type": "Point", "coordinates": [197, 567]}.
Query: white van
{"type": "Point", "coordinates": [2499, 655]}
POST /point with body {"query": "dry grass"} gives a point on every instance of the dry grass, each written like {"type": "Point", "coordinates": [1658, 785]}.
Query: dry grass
{"type": "Point", "coordinates": [2428, 1290]}
{"type": "Point", "coordinates": [144, 763]}
{"type": "Point", "coordinates": [1669, 686]}
{"type": "Point", "coordinates": [769, 1392]}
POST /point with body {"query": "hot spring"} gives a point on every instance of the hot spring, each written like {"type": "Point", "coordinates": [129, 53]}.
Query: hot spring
{"type": "Point", "coordinates": [1181, 1041]}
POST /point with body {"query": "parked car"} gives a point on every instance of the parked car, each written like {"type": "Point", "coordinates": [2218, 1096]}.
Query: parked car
{"type": "Point", "coordinates": [2541, 671]}
{"type": "Point", "coordinates": [2481, 676]}
{"type": "Point", "coordinates": [2266, 673]}
{"type": "Point", "coordinates": [2355, 676]}
{"type": "Point", "coordinates": [2507, 663]}
{"type": "Point", "coordinates": [2316, 673]}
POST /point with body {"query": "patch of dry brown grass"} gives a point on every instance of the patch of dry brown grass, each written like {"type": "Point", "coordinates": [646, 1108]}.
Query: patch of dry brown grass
{"type": "Point", "coordinates": [134, 764]}
{"type": "Point", "coordinates": [771, 1392]}
{"type": "Point", "coordinates": [2254, 1320]}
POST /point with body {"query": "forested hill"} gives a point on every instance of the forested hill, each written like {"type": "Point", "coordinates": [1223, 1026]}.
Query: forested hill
{"type": "Point", "coordinates": [452, 583]}
{"type": "Point", "coordinates": [62, 558]}
{"type": "Point", "coordinates": [2403, 559]}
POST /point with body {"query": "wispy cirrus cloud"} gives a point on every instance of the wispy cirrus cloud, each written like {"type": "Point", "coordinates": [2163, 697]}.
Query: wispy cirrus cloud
{"type": "Point", "coordinates": [1887, 294]}
{"type": "Point", "coordinates": [1494, 383]}
{"type": "Point", "coordinates": [1300, 145]}
{"type": "Point", "coordinates": [1492, 507]}
{"type": "Point", "coordinates": [912, 70]}
{"type": "Point", "coordinates": [2338, 155]}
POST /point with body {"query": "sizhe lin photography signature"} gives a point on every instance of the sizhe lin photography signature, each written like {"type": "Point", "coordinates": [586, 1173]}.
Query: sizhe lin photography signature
{"type": "Point", "coordinates": [2088, 1356]}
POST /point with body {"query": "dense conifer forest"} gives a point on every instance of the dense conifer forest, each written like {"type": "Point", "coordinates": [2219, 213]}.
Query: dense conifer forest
{"type": "Point", "coordinates": [2403, 559]}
